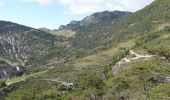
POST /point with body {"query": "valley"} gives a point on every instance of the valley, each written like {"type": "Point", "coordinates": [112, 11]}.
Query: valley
{"type": "Point", "coordinates": [109, 55]}
{"type": "Point", "coordinates": [102, 58]}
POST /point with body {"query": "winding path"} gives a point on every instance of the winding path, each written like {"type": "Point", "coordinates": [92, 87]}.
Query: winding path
{"type": "Point", "coordinates": [57, 81]}
{"type": "Point", "coordinates": [7, 61]}
{"type": "Point", "coordinates": [126, 63]}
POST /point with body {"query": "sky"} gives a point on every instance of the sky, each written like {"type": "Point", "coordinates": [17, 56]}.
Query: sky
{"type": "Point", "coordinates": [53, 13]}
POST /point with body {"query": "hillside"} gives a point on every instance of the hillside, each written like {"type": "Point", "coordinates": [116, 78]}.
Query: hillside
{"type": "Point", "coordinates": [144, 21]}
{"type": "Point", "coordinates": [126, 58]}
{"type": "Point", "coordinates": [23, 46]}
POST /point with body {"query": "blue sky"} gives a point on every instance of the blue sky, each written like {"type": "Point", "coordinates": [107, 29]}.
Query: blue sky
{"type": "Point", "coordinates": [53, 13]}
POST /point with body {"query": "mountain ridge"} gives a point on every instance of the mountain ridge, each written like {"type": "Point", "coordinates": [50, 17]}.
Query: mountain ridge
{"type": "Point", "coordinates": [94, 19]}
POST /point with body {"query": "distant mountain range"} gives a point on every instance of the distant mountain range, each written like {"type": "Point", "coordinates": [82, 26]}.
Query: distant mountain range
{"type": "Point", "coordinates": [94, 19]}
{"type": "Point", "coordinates": [89, 20]}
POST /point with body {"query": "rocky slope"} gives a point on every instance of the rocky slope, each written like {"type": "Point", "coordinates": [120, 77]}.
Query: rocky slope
{"type": "Point", "coordinates": [93, 19]}
{"type": "Point", "coordinates": [21, 46]}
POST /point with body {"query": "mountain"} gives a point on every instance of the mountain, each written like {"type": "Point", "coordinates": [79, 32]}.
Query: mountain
{"type": "Point", "coordinates": [45, 30]}
{"type": "Point", "coordinates": [94, 19]}
{"type": "Point", "coordinates": [22, 46]}
{"type": "Point", "coordinates": [105, 66]}
{"type": "Point", "coordinates": [149, 19]}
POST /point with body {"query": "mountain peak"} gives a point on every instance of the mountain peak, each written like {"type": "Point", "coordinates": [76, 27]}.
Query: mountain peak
{"type": "Point", "coordinates": [94, 19]}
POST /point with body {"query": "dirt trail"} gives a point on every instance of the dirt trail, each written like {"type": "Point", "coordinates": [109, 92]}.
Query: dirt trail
{"type": "Point", "coordinates": [57, 81]}
{"type": "Point", "coordinates": [13, 64]}
{"type": "Point", "coordinates": [126, 63]}
{"type": "Point", "coordinates": [7, 61]}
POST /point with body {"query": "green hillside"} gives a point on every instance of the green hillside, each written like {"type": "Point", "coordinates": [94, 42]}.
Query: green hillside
{"type": "Point", "coordinates": [127, 58]}
{"type": "Point", "coordinates": [148, 19]}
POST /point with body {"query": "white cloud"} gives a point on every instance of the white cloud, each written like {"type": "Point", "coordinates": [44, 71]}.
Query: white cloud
{"type": "Point", "coordinates": [2, 3]}
{"type": "Point", "coordinates": [133, 5]}
{"type": "Point", "coordinates": [84, 6]}
{"type": "Point", "coordinates": [89, 6]}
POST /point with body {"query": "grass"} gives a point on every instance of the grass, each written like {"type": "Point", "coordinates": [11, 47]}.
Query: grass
{"type": "Point", "coordinates": [69, 72]}
{"type": "Point", "coordinates": [23, 78]}
{"type": "Point", "coordinates": [141, 74]}
{"type": "Point", "coordinates": [103, 57]}
{"type": "Point", "coordinates": [165, 36]}
{"type": "Point", "coordinates": [66, 34]}
{"type": "Point", "coordinates": [162, 26]}
{"type": "Point", "coordinates": [91, 64]}
{"type": "Point", "coordinates": [142, 50]}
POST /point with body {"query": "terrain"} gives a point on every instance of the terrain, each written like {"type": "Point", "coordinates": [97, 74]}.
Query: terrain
{"type": "Point", "coordinates": [27, 49]}
{"type": "Point", "coordinates": [125, 58]}
{"type": "Point", "coordinates": [22, 46]}
{"type": "Point", "coordinates": [93, 20]}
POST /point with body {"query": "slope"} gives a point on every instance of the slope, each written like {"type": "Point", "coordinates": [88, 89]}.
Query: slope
{"type": "Point", "coordinates": [22, 46]}
{"type": "Point", "coordinates": [143, 80]}
{"type": "Point", "coordinates": [143, 21]}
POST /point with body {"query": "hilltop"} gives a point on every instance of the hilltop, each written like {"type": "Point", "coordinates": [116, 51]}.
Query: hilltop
{"type": "Point", "coordinates": [93, 20]}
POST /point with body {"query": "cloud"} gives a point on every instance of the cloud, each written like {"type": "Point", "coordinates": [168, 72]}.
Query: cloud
{"type": "Point", "coordinates": [89, 6]}
{"type": "Point", "coordinates": [133, 5]}
{"type": "Point", "coordinates": [2, 3]}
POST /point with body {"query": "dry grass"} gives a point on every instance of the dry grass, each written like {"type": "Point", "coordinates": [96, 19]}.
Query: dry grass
{"type": "Point", "coordinates": [162, 26]}
{"type": "Point", "coordinates": [67, 33]}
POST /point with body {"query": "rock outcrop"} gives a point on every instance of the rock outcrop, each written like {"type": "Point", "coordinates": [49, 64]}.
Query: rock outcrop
{"type": "Point", "coordinates": [126, 63]}
{"type": "Point", "coordinates": [93, 19]}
